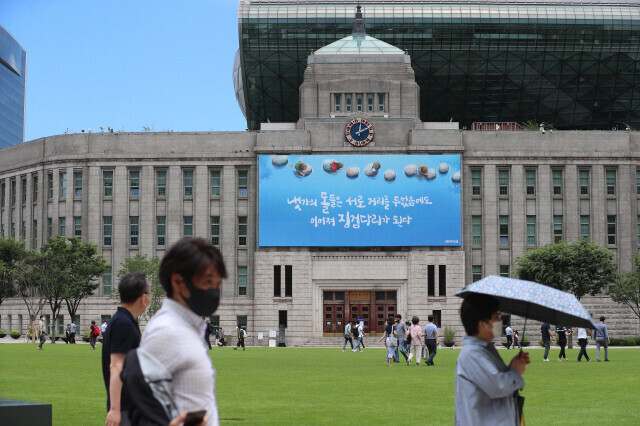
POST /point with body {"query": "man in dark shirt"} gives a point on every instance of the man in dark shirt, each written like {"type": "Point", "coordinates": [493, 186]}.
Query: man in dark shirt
{"type": "Point", "coordinates": [122, 335]}
{"type": "Point", "coordinates": [546, 338]}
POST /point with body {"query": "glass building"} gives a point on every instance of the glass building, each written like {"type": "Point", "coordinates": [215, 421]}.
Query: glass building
{"type": "Point", "coordinates": [572, 64]}
{"type": "Point", "coordinates": [13, 71]}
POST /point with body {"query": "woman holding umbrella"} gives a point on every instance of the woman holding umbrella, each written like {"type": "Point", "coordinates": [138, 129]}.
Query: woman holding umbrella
{"type": "Point", "coordinates": [561, 339]}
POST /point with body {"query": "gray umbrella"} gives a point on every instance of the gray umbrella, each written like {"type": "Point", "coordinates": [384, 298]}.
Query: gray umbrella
{"type": "Point", "coordinates": [532, 300]}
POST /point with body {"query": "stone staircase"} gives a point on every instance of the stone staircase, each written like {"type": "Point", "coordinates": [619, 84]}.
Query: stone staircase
{"type": "Point", "coordinates": [337, 342]}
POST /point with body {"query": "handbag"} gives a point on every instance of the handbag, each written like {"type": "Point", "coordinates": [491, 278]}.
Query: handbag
{"type": "Point", "coordinates": [393, 340]}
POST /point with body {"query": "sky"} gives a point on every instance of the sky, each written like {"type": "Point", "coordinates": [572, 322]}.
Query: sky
{"type": "Point", "coordinates": [162, 64]}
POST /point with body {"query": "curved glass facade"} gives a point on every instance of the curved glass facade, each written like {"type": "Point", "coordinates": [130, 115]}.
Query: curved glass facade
{"type": "Point", "coordinates": [575, 65]}
{"type": "Point", "coordinates": [13, 69]}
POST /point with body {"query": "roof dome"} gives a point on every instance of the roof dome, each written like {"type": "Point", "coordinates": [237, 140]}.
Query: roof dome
{"type": "Point", "coordinates": [358, 44]}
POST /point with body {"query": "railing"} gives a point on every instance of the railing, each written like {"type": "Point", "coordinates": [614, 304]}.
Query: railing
{"type": "Point", "coordinates": [496, 126]}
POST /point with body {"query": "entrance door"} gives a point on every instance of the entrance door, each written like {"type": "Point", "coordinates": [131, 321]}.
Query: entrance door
{"type": "Point", "coordinates": [330, 325]}
{"type": "Point", "coordinates": [383, 311]}
{"type": "Point", "coordinates": [361, 311]}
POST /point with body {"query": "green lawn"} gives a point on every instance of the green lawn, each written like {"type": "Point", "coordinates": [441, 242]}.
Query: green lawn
{"type": "Point", "coordinates": [309, 386]}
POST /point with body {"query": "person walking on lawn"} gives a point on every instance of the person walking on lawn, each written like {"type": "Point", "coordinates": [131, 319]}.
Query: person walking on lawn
{"type": "Point", "coordinates": [94, 332]}
{"type": "Point", "coordinates": [582, 340]}
{"type": "Point", "coordinates": [431, 339]}
{"type": "Point", "coordinates": [545, 328]}
{"type": "Point", "coordinates": [401, 332]}
{"type": "Point", "coordinates": [601, 335]}
{"type": "Point", "coordinates": [40, 330]}
{"type": "Point", "coordinates": [347, 336]}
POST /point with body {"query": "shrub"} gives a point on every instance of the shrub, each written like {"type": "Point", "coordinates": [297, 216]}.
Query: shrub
{"type": "Point", "coordinates": [449, 335]}
{"type": "Point", "coordinates": [541, 342]}
{"type": "Point", "coordinates": [15, 332]}
{"type": "Point", "coordinates": [85, 334]}
{"type": "Point", "coordinates": [525, 338]}
{"type": "Point", "coordinates": [629, 341]}
{"type": "Point", "coordinates": [3, 331]}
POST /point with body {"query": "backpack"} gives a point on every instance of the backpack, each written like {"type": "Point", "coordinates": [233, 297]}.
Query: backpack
{"type": "Point", "coordinates": [354, 330]}
{"type": "Point", "coordinates": [149, 386]}
{"type": "Point", "coordinates": [95, 331]}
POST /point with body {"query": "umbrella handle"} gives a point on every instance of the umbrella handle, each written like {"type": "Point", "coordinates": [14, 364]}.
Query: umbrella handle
{"type": "Point", "coordinates": [524, 329]}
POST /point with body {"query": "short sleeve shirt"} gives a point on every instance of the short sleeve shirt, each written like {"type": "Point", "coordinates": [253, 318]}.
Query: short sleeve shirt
{"type": "Point", "coordinates": [400, 330]}
{"type": "Point", "coordinates": [121, 336]}
{"type": "Point", "coordinates": [545, 331]}
{"type": "Point", "coordinates": [430, 331]}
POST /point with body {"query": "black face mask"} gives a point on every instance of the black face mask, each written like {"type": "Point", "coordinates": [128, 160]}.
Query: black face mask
{"type": "Point", "coordinates": [202, 302]}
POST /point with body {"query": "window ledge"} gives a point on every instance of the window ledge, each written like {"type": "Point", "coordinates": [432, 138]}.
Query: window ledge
{"type": "Point", "coordinates": [284, 299]}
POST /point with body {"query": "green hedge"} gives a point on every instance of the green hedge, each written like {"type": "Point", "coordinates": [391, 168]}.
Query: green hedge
{"type": "Point", "coordinates": [629, 341]}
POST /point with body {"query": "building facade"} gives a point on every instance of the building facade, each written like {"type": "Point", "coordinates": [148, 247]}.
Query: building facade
{"type": "Point", "coordinates": [13, 71]}
{"type": "Point", "coordinates": [136, 193]}
{"type": "Point", "coordinates": [572, 64]}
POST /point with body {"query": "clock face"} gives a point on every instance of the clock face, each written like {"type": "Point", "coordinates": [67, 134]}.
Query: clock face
{"type": "Point", "coordinates": [359, 132]}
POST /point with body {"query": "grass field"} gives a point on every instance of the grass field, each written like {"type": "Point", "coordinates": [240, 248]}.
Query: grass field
{"type": "Point", "coordinates": [311, 386]}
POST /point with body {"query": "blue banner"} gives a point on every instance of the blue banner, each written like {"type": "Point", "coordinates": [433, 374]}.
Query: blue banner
{"type": "Point", "coordinates": [359, 200]}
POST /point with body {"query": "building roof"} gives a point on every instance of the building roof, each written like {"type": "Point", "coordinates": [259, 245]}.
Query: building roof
{"type": "Point", "coordinates": [358, 45]}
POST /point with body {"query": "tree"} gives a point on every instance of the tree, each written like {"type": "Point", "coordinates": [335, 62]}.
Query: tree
{"type": "Point", "coordinates": [55, 261]}
{"type": "Point", "coordinates": [627, 289]}
{"type": "Point", "coordinates": [11, 250]}
{"type": "Point", "coordinates": [85, 266]}
{"type": "Point", "coordinates": [581, 268]}
{"type": "Point", "coordinates": [150, 267]}
{"type": "Point", "coordinates": [28, 278]}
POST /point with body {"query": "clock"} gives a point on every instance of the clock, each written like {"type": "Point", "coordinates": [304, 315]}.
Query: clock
{"type": "Point", "coordinates": [359, 132]}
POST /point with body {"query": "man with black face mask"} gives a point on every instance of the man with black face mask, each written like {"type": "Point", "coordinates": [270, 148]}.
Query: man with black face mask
{"type": "Point", "coordinates": [191, 274]}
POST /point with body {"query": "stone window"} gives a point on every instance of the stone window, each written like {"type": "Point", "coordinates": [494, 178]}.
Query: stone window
{"type": "Point", "coordinates": [63, 185]}
{"type": "Point", "coordinates": [161, 230]}
{"type": "Point", "coordinates": [49, 186]}
{"type": "Point", "coordinates": [381, 102]}
{"type": "Point", "coordinates": [187, 182]}
{"type": "Point", "coordinates": [557, 228]}
{"type": "Point", "coordinates": [530, 181]}
{"type": "Point", "coordinates": [242, 280]}
{"type": "Point", "coordinates": [77, 184]}
{"type": "Point", "coordinates": [215, 231]}
{"type": "Point", "coordinates": [34, 234]}
{"type": "Point", "coordinates": [584, 182]}
{"type": "Point", "coordinates": [243, 182]}
{"type": "Point", "coordinates": [161, 183]}
{"type": "Point", "coordinates": [431, 280]}
{"type": "Point", "coordinates": [337, 100]}
{"type": "Point", "coordinates": [214, 182]}
{"type": "Point", "coordinates": [106, 283]}
{"type": "Point", "coordinates": [476, 273]}
{"type": "Point", "coordinates": [531, 231]}
{"type": "Point", "coordinates": [347, 102]}
{"type": "Point", "coordinates": [504, 271]}
{"type": "Point", "coordinates": [242, 230]}
{"type": "Point", "coordinates": [358, 102]}
{"type": "Point", "coordinates": [49, 228]}
{"type": "Point", "coordinates": [107, 230]}
{"type": "Point", "coordinates": [611, 181]}
{"type": "Point", "coordinates": [288, 280]}
{"type": "Point", "coordinates": [504, 230]}
{"type": "Point", "coordinates": [476, 230]}
{"type": "Point", "coordinates": [503, 182]}
{"type": "Point", "coordinates": [585, 227]}
{"type": "Point", "coordinates": [23, 185]}
{"type": "Point", "coordinates": [370, 97]}
{"type": "Point", "coordinates": [476, 182]}
{"type": "Point", "coordinates": [611, 229]}
{"type": "Point", "coordinates": [134, 183]}
{"type": "Point", "coordinates": [277, 280]}
{"type": "Point", "coordinates": [187, 222]}
{"type": "Point", "coordinates": [107, 183]}
{"type": "Point", "coordinates": [77, 226]}
{"type": "Point", "coordinates": [556, 177]}
{"type": "Point", "coordinates": [442, 280]}
{"type": "Point", "coordinates": [34, 180]}
{"type": "Point", "coordinates": [134, 230]}
{"type": "Point", "coordinates": [62, 226]}
{"type": "Point", "coordinates": [13, 192]}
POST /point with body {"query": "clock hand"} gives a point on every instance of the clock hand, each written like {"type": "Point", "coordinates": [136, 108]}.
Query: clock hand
{"type": "Point", "coordinates": [361, 130]}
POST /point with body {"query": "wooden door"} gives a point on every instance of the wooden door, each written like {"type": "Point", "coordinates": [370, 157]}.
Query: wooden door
{"type": "Point", "coordinates": [361, 310]}
{"type": "Point", "coordinates": [330, 325]}
{"type": "Point", "coordinates": [383, 311]}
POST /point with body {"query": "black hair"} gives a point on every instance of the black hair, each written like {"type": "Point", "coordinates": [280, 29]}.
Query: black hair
{"type": "Point", "coordinates": [390, 320]}
{"type": "Point", "coordinates": [602, 319]}
{"type": "Point", "coordinates": [477, 307]}
{"type": "Point", "coordinates": [41, 316]}
{"type": "Point", "coordinates": [430, 318]}
{"type": "Point", "coordinates": [415, 320]}
{"type": "Point", "coordinates": [189, 257]}
{"type": "Point", "coordinates": [93, 322]}
{"type": "Point", "coordinates": [399, 316]}
{"type": "Point", "coordinates": [132, 286]}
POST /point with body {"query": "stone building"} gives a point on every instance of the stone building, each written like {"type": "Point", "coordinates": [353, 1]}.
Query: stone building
{"type": "Point", "coordinates": [140, 192]}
